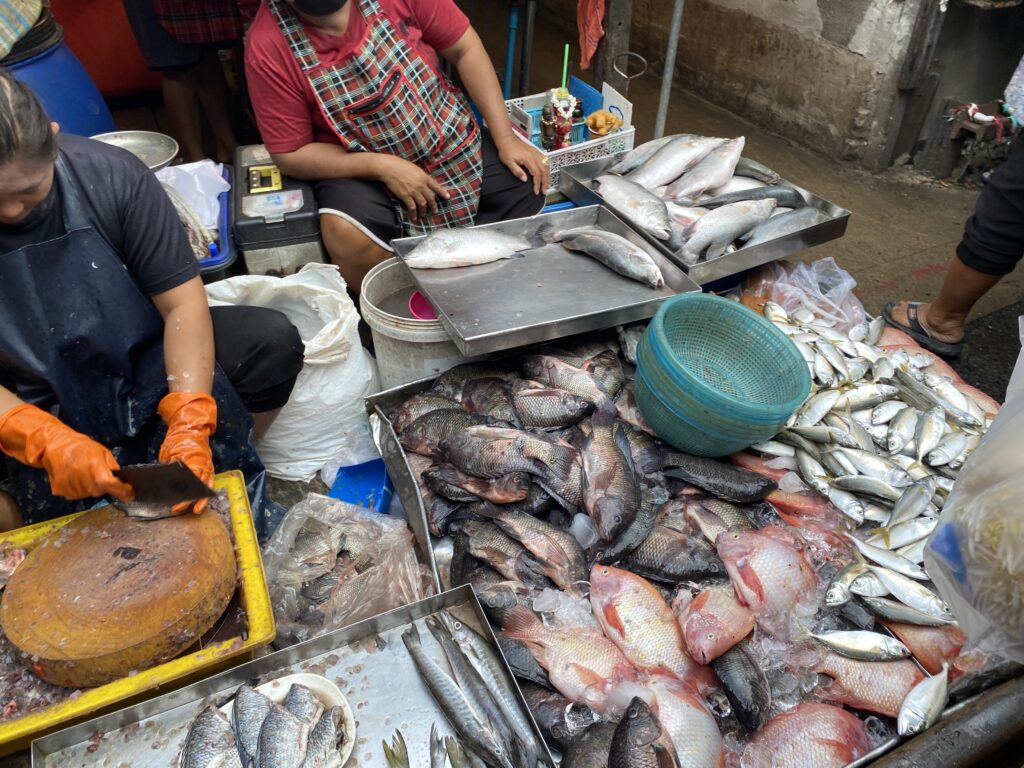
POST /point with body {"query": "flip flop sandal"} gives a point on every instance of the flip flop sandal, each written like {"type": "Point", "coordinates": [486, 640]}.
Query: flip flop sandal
{"type": "Point", "coordinates": [917, 332]}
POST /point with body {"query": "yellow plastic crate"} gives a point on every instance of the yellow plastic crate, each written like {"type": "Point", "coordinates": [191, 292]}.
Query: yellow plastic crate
{"type": "Point", "coordinates": [255, 599]}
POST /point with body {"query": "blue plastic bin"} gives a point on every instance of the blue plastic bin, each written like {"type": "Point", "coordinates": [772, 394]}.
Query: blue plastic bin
{"type": "Point", "coordinates": [365, 485]}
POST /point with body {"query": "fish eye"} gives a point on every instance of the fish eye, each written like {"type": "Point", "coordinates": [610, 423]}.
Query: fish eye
{"type": "Point", "coordinates": [711, 635]}
{"type": "Point", "coordinates": [618, 518]}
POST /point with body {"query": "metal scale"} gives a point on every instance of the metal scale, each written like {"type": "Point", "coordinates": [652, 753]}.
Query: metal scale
{"type": "Point", "coordinates": [277, 228]}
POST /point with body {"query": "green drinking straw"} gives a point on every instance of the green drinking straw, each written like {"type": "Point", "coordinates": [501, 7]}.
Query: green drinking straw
{"type": "Point", "coordinates": [565, 67]}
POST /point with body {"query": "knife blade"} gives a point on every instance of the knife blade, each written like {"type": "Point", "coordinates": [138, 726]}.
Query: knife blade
{"type": "Point", "coordinates": [164, 483]}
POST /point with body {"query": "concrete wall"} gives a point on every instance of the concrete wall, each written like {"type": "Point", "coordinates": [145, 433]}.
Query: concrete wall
{"type": "Point", "coordinates": [822, 72]}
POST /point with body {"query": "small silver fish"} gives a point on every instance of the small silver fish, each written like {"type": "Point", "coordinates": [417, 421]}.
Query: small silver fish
{"type": "Point", "coordinates": [447, 248]}
{"type": "Point", "coordinates": [863, 645]}
{"type": "Point", "coordinates": [889, 559]}
{"type": "Point", "coordinates": [878, 467]}
{"type": "Point", "coordinates": [902, 429]}
{"type": "Point", "coordinates": [868, 585]}
{"type": "Point", "coordinates": [903, 534]}
{"type": "Point", "coordinates": [896, 611]}
{"type": "Point", "coordinates": [815, 408]}
{"type": "Point", "coordinates": [913, 502]}
{"type": "Point", "coordinates": [949, 448]}
{"type": "Point", "coordinates": [884, 413]}
{"type": "Point", "coordinates": [930, 428]}
{"type": "Point", "coordinates": [875, 330]}
{"type": "Point", "coordinates": [838, 592]}
{"type": "Point", "coordinates": [866, 396]}
{"type": "Point", "coordinates": [823, 370]}
{"type": "Point", "coordinates": [923, 706]}
{"type": "Point", "coordinates": [869, 485]}
{"type": "Point", "coordinates": [913, 594]}
{"type": "Point", "coordinates": [847, 503]}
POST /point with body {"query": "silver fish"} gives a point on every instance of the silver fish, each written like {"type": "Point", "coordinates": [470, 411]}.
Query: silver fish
{"type": "Point", "coordinates": [882, 369]}
{"type": "Point", "coordinates": [913, 594]}
{"type": "Point", "coordinates": [283, 739]}
{"type": "Point", "coordinates": [858, 368]}
{"type": "Point", "coordinates": [835, 359]}
{"type": "Point", "coordinates": [446, 248]}
{"type": "Point", "coordinates": [608, 248]}
{"type": "Point", "coordinates": [949, 448]}
{"type": "Point", "coordinates": [923, 706]}
{"type": "Point", "coordinates": [775, 312]}
{"type": "Point", "coordinates": [894, 611]}
{"type": "Point", "coordinates": [806, 352]}
{"type": "Point", "coordinates": [875, 330]}
{"type": "Point", "coordinates": [712, 233]}
{"type": "Point", "coordinates": [902, 429]}
{"type": "Point", "coordinates": [838, 592]}
{"type": "Point", "coordinates": [826, 435]}
{"type": "Point", "coordinates": [884, 413]}
{"type": "Point", "coordinates": [775, 448]}
{"type": "Point", "coordinates": [823, 370]}
{"type": "Point", "coordinates": [803, 315]}
{"type": "Point", "coordinates": [972, 443]}
{"type": "Point", "coordinates": [878, 467]}
{"type": "Point", "coordinates": [784, 224]}
{"type": "Point", "coordinates": [877, 514]}
{"type": "Point", "coordinates": [673, 159]}
{"type": "Point", "coordinates": [752, 169]}
{"type": "Point", "coordinates": [642, 208]}
{"type": "Point", "coordinates": [929, 431]}
{"type": "Point", "coordinates": [915, 552]}
{"type": "Point", "coordinates": [913, 502]}
{"type": "Point", "coordinates": [904, 534]}
{"type": "Point", "coordinates": [859, 332]}
{"type": "Point", "coordinates": [847, 503]}
{"type": "Point", "coordinates": [863, 645]}
{"type": "Point", "coordinates": [868, 585]}
{"type": "Point", "coordinates": [640, 155]}
{"type": "Point", "coordinates": [210, 742]}
{"type": "Point", "coordinates": [815, 408]}
{"type": "Point", "coordinates": [711, 172]}
{"type": "Point", "coordinates": [248, 712]}
{"type": "Point", "coordinates": [869, 485]}
{"type": "Point", "coordinates": [812, 472]}
{"type": "Point", "coordinates": [890, 560]}
{"type": "Point", "coordinates": [866, 395]}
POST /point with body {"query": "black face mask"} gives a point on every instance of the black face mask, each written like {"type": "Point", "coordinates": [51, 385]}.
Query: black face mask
{"type": "Point", "coordinates": [319, 7]}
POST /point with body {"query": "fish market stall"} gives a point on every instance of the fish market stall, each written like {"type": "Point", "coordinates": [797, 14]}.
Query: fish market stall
{"type": "Point", "coordinates": [375, 667]}
{"type": "Point", "coordinates": [783, 583]}
{"type": "Point", "coordinates": [32, 706]}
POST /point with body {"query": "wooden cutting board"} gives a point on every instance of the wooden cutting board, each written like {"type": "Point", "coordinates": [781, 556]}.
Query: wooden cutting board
{"type": "Point", "coordinates": [108, 595]}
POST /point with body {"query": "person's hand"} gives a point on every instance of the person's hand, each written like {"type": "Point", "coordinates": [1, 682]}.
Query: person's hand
{"type": "Point", "coordinates": [411, 185]}
{"type": "Point", "coordinates": [521, 158]}
{"type": "Point", "coordinates": [78, 466]}
{"type": "Point", "coordinates": [191, 419]}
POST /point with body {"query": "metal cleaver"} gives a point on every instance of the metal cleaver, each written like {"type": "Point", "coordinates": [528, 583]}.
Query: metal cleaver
{"type": "Point", "coordinates": [164, 483]}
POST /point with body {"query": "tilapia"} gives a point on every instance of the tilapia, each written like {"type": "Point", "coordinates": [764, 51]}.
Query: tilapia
{"type": "Point", "coordinates": [712, 233]}
{"type": "Point", "coordinates": [590, 748]}
{"type": "Point", "coordinates": [670, 556]}
{"type": "Point", "coordinates": [487, 543]}
{"type": "Point", "coordinates": [771, 578]}
{"type": "Point", "coordinates": [325, 740]}
{"type": "Point", "coordinates": [614, 251]}
{"type": "Point", "coordinates": [877, 686]}
{"type": "Point", "coordinates": [283, 740]}
{"type": "Point", "coordinates": [712, 622]}
{"type": "Point", "coordinates": [745, 685]}
{"type": "Point", "coordinates": [248, 712]}
{"type": "Point", "coordinates": [727, 482]}
{"type": "Point", "coordinates": [688, 723]}
{"type": "Point", "coordinates": [550, 408]}
{"type": "Point", "coordinates": [450, 383]}
{"type": "Point", "coordinates": [425, 435]}
{"type": "Point", "coordinates": [811, 736]}
{"type": "Point", "coordinates": [553, 372]}
{"type": "Point", "coordinates": [304, 704]}
{"type": "Point", "coordinates": [645, 210]}
{"type": "Point", "coordinates": [611, 493]}
{"type": "Point", "coordinates": [633, 535]}
{"type": "Point", "coordinates": [582, 665]}
{"type": "Point", "coordinates": [416, 406]}
{"type": "Point", "coordinates": [210, 742]}
{"type": "Point", "coordinates": [606, 369]}
{"type": "Point", "coordinates": [784, 197]}
{"type": "Point", "coordinates": [559, 719]}
{"type": "Point", "coordinates": [458, 486]}
{"type": "Point", "coordinates": [489, 396]}
{"type": "Point", "coordinates": [522, 662]}
{"type": "Point", "coordinates": [491, 452]}
{"type": "Point", "coordinates": [464, 247]}
{"type": "Point", "coordinates": [709, 174]}
{"type": "Point", "coordinates": [635, 617]}
{"type": "Point", "coordinates": [638, 741]}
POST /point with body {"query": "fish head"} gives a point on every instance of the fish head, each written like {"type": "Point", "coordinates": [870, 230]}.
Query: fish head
{"type": "Point", "coordinates": [643, 726]}
{"type": "Point", "coordinates": [705, 632]}
{"type": "Point", "coordinates": [536, 367]}
{"type": "Point", "coordinates": [836, 595]}
{"type": "Point", "coordinates": [610, 517]}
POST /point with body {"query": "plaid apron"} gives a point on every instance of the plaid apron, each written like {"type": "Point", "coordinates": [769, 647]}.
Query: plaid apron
{"type": "Point", "coordinates": [387, 99]}
{"type": "Point", "coordinates": [194, 22]}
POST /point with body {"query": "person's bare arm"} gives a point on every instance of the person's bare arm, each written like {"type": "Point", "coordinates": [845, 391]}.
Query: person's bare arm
{"type": "Point", "coordinates": [409, 183]}
{"type": "Point", "coordinates": [470, 59]}
{"type": "Point", "coordinates": [188, 337]}
{"type": "Point", "coordinates": [8, 400]}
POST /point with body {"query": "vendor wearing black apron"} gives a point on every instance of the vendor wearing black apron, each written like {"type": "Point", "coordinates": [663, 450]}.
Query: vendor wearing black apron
{"type": "Point", "coordinates": [350, 94]}
{"type": "Point", "coordinates": [109, 354]}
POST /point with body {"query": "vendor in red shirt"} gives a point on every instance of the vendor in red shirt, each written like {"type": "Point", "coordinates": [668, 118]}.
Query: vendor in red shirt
{"type": "Point", "coordinates": [351, 95]}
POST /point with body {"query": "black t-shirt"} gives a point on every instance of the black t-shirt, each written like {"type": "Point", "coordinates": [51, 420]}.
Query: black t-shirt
{"type": "Point", "coordinates": [127, 206]}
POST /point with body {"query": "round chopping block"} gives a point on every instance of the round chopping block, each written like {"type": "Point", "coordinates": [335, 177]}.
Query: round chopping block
{"type": "Point", "coordinates": [107, 595]}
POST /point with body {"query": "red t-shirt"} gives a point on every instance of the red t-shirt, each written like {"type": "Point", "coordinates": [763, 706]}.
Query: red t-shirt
{"type": "Point", "coordinates": [287, 111]}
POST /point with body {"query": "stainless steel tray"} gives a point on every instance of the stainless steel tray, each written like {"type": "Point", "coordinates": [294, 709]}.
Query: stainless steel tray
{"type": "Point", "coordinates": [576, 183]}
{"type": "Point", "coordinates": [547, 294]}
{"type": "Point", "coordinates": [368, 661]}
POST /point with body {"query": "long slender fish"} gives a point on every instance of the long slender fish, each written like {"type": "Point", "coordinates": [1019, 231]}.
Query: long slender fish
{"type": "Point", "coordinates": [608, 248]}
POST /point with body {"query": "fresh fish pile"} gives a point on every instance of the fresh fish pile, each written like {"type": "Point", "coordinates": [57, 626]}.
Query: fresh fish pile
{"type": "Point", "coordinates": [701, 197]}
{"type": "Point", "coordinates": [769, 599]}
{"type": "Point", "coordinates": [300, 732]}
{"type": "Point", "coordinates": [476, 698]}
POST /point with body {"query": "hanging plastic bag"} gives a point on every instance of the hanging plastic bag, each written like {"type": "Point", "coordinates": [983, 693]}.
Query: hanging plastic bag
{"type": "Point", "coordinates": [324, 418]}
{"type": "Point", "coordinates": [200, 185]}
{"type": "Point", "coordinates": [330, 564]}
{"type": "Point", "coordinates": [975, 555]}
{"type": "Point", "coordinates": [822, 287]}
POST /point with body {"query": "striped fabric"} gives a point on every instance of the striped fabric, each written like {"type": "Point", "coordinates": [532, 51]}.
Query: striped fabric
{"type": "Point", "coordinates": [205, 21]}
{"type": "Point", "coordinates": [16, 18]}
{"type": "Point", "coordinates": [386, 98]}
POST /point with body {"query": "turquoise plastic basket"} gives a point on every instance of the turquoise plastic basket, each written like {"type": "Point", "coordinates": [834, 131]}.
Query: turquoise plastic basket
{"type": "Point", "coordinates": [714, 377]}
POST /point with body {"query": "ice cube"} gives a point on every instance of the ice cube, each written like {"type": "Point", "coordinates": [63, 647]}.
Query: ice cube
{"type": "Point", "coordinates": [791, 483]}
{"type": "Point", "coordinates": [785, 683]}
{"type": "Point", "coordinates": [584, 530]}
{"type": "Point", "coordinates": [879, 730]}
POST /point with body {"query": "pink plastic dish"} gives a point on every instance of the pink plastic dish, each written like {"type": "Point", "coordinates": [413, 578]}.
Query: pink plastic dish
{"type": "Point", "coordinates": [420, 307]}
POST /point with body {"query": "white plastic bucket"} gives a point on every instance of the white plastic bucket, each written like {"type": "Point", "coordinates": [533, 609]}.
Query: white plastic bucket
{"type": "Point", "coordinates": [407, 349]}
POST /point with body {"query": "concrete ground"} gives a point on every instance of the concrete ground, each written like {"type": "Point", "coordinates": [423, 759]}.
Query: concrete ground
{"type": "Point", "coordinates": [903, 229]}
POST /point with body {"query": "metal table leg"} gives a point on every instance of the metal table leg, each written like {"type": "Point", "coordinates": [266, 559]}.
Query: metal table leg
{"type": "Point", "coordinates": [527, 50]}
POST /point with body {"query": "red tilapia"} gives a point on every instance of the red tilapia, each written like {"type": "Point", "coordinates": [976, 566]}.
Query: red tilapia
{"type": "Point", "coordinates": [877, 686]}
{"type": "Point", "coordinates": [712, 622]}
{"type": "Point", "coordinates": [930, 645]}
{"type": "Point", "coordinates": [635, 617]}
{"type": "Point", "coordinates": [582, 665]}
{"type": "Point", "coordinates": [772, 578]}
{"type": "Point", "coordinates": [688, 723]}
{"type": "Point", "coordinates": [809, 736]}
{"type": "Point", "coordinates": [758, 465]}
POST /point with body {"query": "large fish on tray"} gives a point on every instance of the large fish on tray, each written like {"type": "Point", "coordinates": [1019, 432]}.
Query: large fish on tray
{"type": "Point", "coordinates": [644, 209]}
{"type": "Point", "coordinates": [709, 174]}
{"type": "Point", "coordinates": [445, 248]}
{"type": "Point", "coordinates": [711, 234]}
{"type": "Point", "coordinates": [493, 451]}
{"type": "Point", "coordinates": [610, 249]}
{"type": "Point", "coordinates": [673, 159]}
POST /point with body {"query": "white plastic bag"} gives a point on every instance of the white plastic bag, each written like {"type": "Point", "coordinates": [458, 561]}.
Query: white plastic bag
{"type": "Point", "coordinates": [324, 419]}
{"type": "Point", "coordinates": [975, 555]}
{"type": "Point", "coordinates": [823, 287]}
{"type": "Point", "coordinates": [200, 185]}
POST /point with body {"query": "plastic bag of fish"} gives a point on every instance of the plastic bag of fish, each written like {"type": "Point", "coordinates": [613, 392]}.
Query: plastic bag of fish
{"type": "Point", "coordinates": [753, 606]}
{"type": "Point", "coordinates": [330, 564]}
{"type": "Point", "coordinates": [702, 198]}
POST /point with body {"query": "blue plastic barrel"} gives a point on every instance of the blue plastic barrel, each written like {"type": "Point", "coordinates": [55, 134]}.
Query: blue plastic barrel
{"type": "Point", "coordinates": [66, 91]}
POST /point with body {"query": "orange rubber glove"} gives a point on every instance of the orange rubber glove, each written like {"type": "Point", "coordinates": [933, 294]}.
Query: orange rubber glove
{"type": "Point", "coordinates": [191, 418]}
{"type": "Point", "coordinates": [78, 466]}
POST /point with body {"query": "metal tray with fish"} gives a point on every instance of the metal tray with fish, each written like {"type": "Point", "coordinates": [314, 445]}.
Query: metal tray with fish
{"type": "Point", "coordinates": [576, 183]}
{"type": "Point", "coordinates": [368, 661]}
{"type": "Point", "coordinates": [547, 293]}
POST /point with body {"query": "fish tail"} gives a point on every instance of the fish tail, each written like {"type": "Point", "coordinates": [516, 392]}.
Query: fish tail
{"type": "Point", "coordinates": [543, 235]}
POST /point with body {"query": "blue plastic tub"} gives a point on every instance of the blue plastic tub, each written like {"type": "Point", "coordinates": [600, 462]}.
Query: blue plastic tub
{"type": "Point", "coordinates": [215, 266]}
